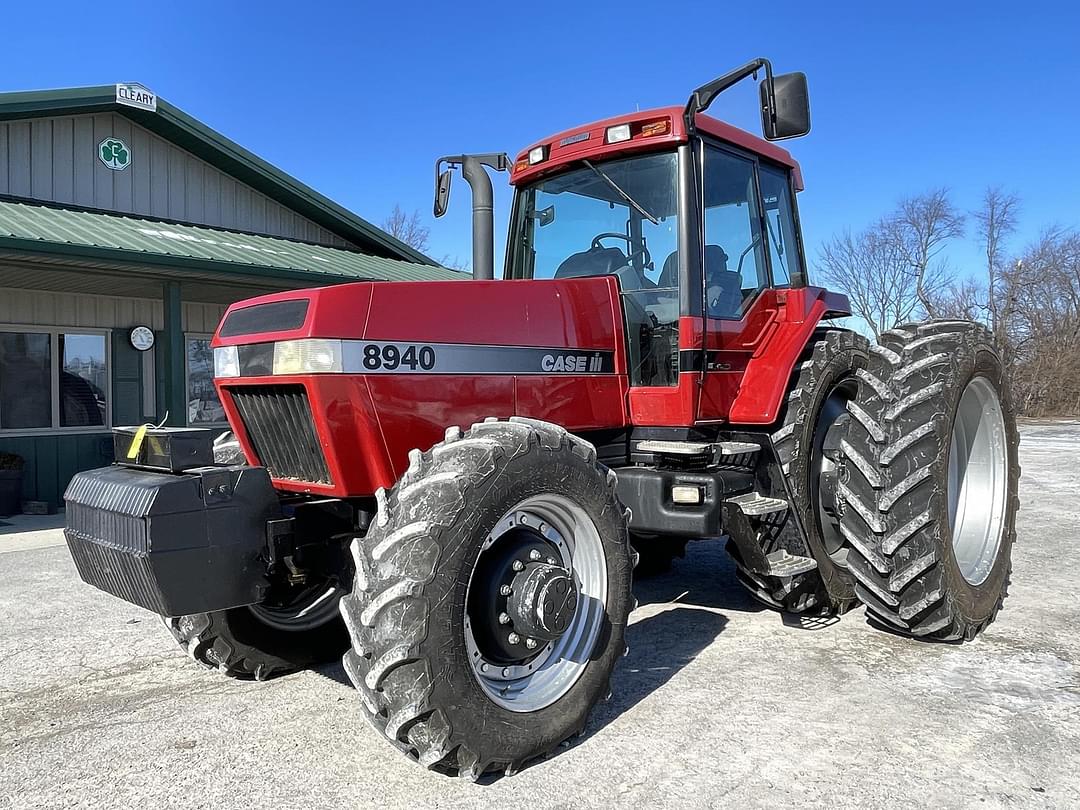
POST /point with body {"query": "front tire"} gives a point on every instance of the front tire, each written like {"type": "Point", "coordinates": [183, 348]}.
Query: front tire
{"type": "Point", "coordinates": [259, 642]}
{"type": "Point", "coordinates": [437, 577]}
{"type": "Point", "coordinates": [932, 478]}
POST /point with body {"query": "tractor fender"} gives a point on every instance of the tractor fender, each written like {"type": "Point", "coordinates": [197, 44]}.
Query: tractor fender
{"type": "Point", "coordinates": [768, 372]}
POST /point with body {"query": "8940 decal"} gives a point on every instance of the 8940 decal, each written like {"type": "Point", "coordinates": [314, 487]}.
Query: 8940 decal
{"type": "Point", "coordinates": [390, 357]}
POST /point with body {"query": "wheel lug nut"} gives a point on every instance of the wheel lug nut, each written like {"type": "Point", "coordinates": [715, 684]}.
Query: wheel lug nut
{"type": "Point", "coordinates": [530, 643]}
{"type": "Point", "coordinates": [534, 555]}
{"type": "Point", "coordinates": [519, 565]}
{"type": "Point", "coordinates": [506, 674]}
{"type": "Point", "coordinates": [550, 561]}
{"type": "Point", "coordinates": [505, 590]}
{"type": "Point", "coordinates": [504, 618]}
{"type": "Point", "coordinates": [513, 638]}
{"type": "Point", "coordinates": [483, 667]}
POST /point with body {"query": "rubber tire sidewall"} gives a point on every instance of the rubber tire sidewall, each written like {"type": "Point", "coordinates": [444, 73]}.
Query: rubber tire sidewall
{"type": "Point", "coordinates": [978, 603]}
{"type": "Point", "coordinates": [521, 733]}
{"type": "Point", "coordinates": [837, 581]}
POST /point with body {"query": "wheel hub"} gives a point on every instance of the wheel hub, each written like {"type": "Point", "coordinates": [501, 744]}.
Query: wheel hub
{"type": "Point", "coordinates": [543, 600]}
{"type": "Point", "coordinates": [536, 600]}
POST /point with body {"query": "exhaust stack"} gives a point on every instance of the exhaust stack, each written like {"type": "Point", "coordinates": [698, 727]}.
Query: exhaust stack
{"type": "Point", "coordinates": [483, 207]}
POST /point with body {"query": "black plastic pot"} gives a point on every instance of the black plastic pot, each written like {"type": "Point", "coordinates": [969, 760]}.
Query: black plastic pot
{"type": "Point", "coordinates": [10, 492]}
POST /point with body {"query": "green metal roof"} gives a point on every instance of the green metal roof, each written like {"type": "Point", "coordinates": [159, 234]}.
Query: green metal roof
{"type": "Point", "coordinates": [60, 231]}
{"type": "Point", "coordinates": [177, 126]}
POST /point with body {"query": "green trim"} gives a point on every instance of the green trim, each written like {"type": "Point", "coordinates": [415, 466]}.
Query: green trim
{"type": "Point", "coordinates": [177, 126]}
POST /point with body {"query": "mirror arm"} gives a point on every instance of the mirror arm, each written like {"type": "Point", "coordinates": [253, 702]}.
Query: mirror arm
{"type": "Point", "coordinates": [703, 97]}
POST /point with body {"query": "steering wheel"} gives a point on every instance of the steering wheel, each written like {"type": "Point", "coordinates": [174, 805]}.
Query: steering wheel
{"type": "Point", "coordinates": [644, 251]}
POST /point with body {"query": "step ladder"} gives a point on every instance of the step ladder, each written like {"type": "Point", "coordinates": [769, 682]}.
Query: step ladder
{"type": "Point", "coordinates": [751, 521]}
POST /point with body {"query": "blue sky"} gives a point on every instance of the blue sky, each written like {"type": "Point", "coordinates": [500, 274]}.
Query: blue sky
{"type": "Point", "coordinates": [358, 99]}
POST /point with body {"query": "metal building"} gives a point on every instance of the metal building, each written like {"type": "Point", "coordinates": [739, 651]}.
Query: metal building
{"type": "Point", "coordinates": [126, 227]}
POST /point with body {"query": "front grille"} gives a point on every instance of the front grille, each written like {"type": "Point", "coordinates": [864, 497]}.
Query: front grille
{"type": "Point", "coordinates": [277, 419]}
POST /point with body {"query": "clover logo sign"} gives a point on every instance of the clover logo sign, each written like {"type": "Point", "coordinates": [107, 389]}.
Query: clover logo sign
{"type": "Point", "coordinates": [114, 153]}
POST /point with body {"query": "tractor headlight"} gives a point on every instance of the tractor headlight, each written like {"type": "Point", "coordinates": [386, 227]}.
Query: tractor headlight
{"type": "Point", "coordinates": [226, 362]}
{"type": "Point", "coordinates": [308, 356]}
{"type": "Point", "coordinates": [618, 134]}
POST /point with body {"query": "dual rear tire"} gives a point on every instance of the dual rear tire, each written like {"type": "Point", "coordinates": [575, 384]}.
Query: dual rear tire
{"type": "Point", "coordinates": [930, 494]}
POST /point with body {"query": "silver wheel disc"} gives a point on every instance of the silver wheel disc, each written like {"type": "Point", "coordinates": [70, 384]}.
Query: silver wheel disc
{"type": "Point", "coordinates": [977, 487]}
{"type": "Point", "coordinates": [543, 678]}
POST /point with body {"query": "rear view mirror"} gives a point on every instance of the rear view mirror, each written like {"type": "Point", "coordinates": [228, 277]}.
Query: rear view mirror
{"type": "Point", "coordinates": [785, 113]}
{"type": "Point", "coordinates": [442, 192]}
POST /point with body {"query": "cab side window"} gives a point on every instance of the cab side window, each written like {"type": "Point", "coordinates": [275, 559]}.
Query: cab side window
{"type": "Point", "coordinates": [734, 256]}
{"type": "Point", "coordinates": [780, 226]}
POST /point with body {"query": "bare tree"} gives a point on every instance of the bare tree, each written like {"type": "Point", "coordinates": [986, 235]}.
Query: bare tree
{"type": "Point", "coordinates": [870, 267]}
{"type": "Point", "coordinates": [1043, 325]}
{"type": "Point", "coordinates": [995, 222]}
{"type": "Point", "coordinates": [921, 226]}
{"type": "Point", "coordinates": [409, 228]}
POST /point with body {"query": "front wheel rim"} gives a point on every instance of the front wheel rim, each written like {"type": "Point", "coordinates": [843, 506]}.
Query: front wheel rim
{"type": "Point", "coordinates": [543, 675]}
{"type": "Point", "coordinates": [977, 480]}
{"type": "Point", "coordinates": [305, 608]}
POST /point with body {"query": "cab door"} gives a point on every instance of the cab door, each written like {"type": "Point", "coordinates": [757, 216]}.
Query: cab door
{"type": "Point", "coordinates": [740, 307]}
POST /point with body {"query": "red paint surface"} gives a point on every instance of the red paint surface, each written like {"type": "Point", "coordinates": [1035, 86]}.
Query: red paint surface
{"type": "Point", "coordinates": [594, 148]}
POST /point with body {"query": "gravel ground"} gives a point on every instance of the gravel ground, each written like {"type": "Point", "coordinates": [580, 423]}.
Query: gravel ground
{"type": "Point", "coordinates": [720, 703]}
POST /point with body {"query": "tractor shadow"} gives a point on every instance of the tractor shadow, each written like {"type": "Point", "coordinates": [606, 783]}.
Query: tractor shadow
{"type": "Point", "coordinates": [693, 599]}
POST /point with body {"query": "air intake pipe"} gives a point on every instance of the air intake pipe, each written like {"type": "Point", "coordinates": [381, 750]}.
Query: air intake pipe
{"type": "Point", "coordinates": [483, 206]}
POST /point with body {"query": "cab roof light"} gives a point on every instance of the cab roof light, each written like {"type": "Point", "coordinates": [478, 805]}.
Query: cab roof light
{"type": "Point", "coordinates": [653, 128]}
{"type": "Point", "coordinates": [538, 154]}
{"type": "Point", "coordinates": [617, 134]}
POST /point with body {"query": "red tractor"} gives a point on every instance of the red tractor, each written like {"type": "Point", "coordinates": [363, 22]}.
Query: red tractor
{"type": "Point", "coordinates": [451, 482]}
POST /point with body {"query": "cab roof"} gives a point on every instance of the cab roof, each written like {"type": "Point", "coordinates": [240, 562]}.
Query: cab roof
{"type": "Point", "coordinates": [650, 130]}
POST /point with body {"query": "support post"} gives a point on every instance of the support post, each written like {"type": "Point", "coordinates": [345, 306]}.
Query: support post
{"type": "Point", "coordinates": [172, 356]}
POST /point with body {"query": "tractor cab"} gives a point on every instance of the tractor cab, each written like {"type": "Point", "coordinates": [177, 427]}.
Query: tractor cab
{"type": "Point", "coordinates": [686, 224]}
{"type": "Point", "coordinates": [697, 222]}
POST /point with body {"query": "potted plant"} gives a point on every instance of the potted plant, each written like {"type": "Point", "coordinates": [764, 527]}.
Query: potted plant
{"type": "Point", "coordinates": [11, 475]}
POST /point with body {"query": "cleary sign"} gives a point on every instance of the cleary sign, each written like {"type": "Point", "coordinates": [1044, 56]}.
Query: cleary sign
{"type": "Point", "coordinates": [135, 95]}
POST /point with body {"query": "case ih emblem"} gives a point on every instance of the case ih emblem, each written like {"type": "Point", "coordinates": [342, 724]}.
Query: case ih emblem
{"type": "Point", "coordinates": [114, 153]}
{"type": "Point", "coordinates": [573, 362]}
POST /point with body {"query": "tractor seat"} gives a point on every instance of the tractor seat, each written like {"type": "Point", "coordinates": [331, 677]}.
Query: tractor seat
{"type": "Point", "coordinates": [598, 261]}
{"type": "Point", "coordinates": [724, 287]}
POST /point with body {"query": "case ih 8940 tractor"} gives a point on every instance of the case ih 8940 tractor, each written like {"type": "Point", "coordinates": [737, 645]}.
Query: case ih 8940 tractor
{"type": "Point", "coordinates": [451, 482]}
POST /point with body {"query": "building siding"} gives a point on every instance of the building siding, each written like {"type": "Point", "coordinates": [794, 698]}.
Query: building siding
{"type": "Point", "coordinates": [44, 308]}
{"type": "Point", "coordinates": [51, 460]}
{"type": "Point", "coordinates": [55, 160]}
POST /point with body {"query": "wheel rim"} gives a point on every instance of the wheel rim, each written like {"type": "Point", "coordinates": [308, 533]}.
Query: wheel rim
{"type": "Point", "coordinates": [301, 608]}
{"type": "Point", "coordinates": [562, 532]}
{"type": "Point", "coordinates": [978, 468]}
{"type": "Point", "coordinates": [824, 469]}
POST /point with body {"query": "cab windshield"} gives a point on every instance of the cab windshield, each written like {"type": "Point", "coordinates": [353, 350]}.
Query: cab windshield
{"type": "Point", "coordinates": [614, 218]}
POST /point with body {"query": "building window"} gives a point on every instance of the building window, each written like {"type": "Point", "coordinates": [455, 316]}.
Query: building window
{"type": "Point", "coordinates": [204, 407]}
{"type": "Point", "coordinates": [53, 379]}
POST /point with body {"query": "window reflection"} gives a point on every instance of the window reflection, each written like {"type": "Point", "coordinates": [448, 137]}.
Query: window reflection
{"type": "Point", "coordinates": [204, 407]}
{"type": "Point", "coordinates": [83, 380]}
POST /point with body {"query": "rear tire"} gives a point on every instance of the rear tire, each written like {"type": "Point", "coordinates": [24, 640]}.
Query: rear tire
{"type": "Point", "coordinates": [931, 481]}
{"type": "Point", "coordinates": [829, 364]}
{"type": "Point", "coordinates": [415, 615]}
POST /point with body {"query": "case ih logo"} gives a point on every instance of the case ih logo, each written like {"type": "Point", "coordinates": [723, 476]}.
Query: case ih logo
{"type": "Point", "coordinates": [114, 153]}
{"type": "Point", "coordinates": [574, 362]}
